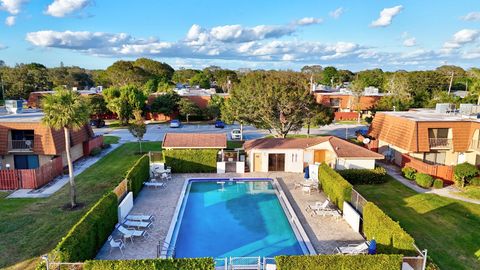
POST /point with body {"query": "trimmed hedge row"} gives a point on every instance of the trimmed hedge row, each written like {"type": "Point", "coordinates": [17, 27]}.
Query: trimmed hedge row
{"type": "Point", "coordinates": [364, 176]}
{"type": "Point", "coordinates": [390, 237]}
{"type": "Point", "coordinates": [424, 180]}
{"type": "Point", "coordinates": [139, 173]}
{"type": "Point", "coordinates": [337, 189]}
{"type": "Point", "coordinates": [152, 264]}
{"type": "Point", "coordinates": [327, 262]}
{"type": "Point", "coordinates": [409, 173]}
{"type": "Point", "coordinates": [191, 160]}
{"type": "Point", "coordinates": [88, 235]}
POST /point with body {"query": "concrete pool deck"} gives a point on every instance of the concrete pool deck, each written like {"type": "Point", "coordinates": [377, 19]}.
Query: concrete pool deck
{"type": "Point", "coordinates": [325, 233]}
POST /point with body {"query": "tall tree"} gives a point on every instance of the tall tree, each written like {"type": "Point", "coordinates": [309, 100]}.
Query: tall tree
{"type": "Point", "coordinates": [163, 72]}
{"type": "Point", "coordinates": [371, 77]}
{"type": "Point", "coordinates": [184, 75]}
{"type": "Point", "coordinates": [123, 73]}
{"type": "Point", "coordinates": [318, 115]}
{"type": "Point", "coordinates": [68, 111]}
{"type": "Point", "coordinates": [124, 100]}
{"type": "Point", "coordinates": [201, 79]}
{"type": "Point", "coordinates": [138, 128]}
{"type": "Point", "coordinates": [23, 79]}
{"type": "Point", "coordinates": [329, 76]}
{"type": "Point", "coordinates": [187, 108]}
{"type": "Point", "coordinates": [166, 104]}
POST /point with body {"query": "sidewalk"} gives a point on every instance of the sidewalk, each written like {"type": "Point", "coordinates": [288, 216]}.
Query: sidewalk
{"type": "Point", "coordinates": [448, 192]}
{"type": "Point", "coordinates": [57, 183]}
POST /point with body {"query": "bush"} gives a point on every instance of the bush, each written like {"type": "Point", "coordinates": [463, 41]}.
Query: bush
{"type": "Point", "coordinates": [152, 264]}
{"type": "Point", "coordinates": [139, 173]}
{"type": "Point", "coordinates": [409, 173]}
{"type": "Point", "coordinates": [388, 234]}
{"type": "Point", "coordinates": [95, 151]}
{"type": "Point", "coordinates": [364, 176]}
{"type": "Point", "coordinates": [475, 181]}
{"type": "Point", "coordinates": [424, 180]}
{"type": "Point", "coordinates": [326, 262]}
{"type": "Point", "coordinates": [106, 146]}
{"type": "Point", "coordinates": [464, 172]}
{"type": "Point", "coordinates": [191, 160]}
{"type": "Point", "coordinates": [334, 185]}
{"type": "Point", "coordinates": [438, 183]}
{"type": "Point", "coordinates": [88, 235]}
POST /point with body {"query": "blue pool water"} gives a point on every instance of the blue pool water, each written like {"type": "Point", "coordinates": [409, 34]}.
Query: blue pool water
{"type": "Point", "coordinates": [236, 219]}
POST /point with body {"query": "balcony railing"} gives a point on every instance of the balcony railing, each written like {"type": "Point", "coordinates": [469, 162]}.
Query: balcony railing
{"type": "Point", "coordinates": [440, 143]}
{"type": "Point", "coordinates": [21, 145]}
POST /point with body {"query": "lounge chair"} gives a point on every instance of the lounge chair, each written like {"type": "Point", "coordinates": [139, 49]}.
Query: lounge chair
{"type": "Point", "coordinates": [166, 176]}
{"type": "Point", "coordinates": [140, 217]}
{"type": "Point", "coordinates": [129, 233]}
{"type": "Point", "coordinates": [353, 249]}
{"type": "Point", "coordinates": [155, 184]}
{"type": "Point", "coordinates": [116, 244]}
{"type": "Point", "coordinates": [318, 206]}
{"type": "Point", "coordinates": [138, 224]}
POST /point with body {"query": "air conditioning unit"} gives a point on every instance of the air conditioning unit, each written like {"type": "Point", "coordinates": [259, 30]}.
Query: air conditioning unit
{"type": "Point", "coordinates": [14, 106]}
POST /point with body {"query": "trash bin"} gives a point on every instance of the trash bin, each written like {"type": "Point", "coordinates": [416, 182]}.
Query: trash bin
{"type": "Point", "coordinates": [372, 247]}
{"type": "Point", "coordinates": [306, 173]}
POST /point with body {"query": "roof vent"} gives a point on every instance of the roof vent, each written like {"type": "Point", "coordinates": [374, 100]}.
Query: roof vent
{"type": "Point", "coordinates": [14, 106]}
{"type": "Point", "coordinates": [443, 107]}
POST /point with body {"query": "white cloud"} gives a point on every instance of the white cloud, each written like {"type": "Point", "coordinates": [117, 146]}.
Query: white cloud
{"type": "Point", "coordinates": [61, 8]}
{"type": "Point", "coordinates": [12, 6]}
{"type": "Point", "coordinates": [410, 42]}
{"type": "Point", "coordinates": [308, 21]}
{"type": "Point", "coordinates": [386, 16]}
{"type": "Point", "coordinates": [10, 20]}
{"type": "Point", "coordinates": [472, 16]}
{"type": "Point", "coordinates": [337, 13]}
{"type": "Point", "coordinates": [3, 47]}
{"type": "Point", "coordinates": [461, 38]}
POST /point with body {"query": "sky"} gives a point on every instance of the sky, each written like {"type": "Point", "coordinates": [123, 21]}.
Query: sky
{"type": "Point", "coordinates": [267, 34]}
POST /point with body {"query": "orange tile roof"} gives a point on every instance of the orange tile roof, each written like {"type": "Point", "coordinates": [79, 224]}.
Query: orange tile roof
{"type": "Point", "coordinates": [194, 140]}
{"type": "Point", "coordinates": [342, 148]}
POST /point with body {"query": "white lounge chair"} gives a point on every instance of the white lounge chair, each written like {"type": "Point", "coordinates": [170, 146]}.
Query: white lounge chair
{"type": "Point", "coordinates": [155, 184]}
{"type": "Point", "coordinates": [129, 233]}
{"type": "Point", "coordinates": [353, 249]}
{"type": "Point", "coordinates": [166, 176]}
{"type": "Point", "coordinates": [138, 224]}
{"type": "Point", "coordinates": [116, 244]}
{"type": "Point", "coordinates": [140, 217]}
{"type": "Point", "coordinates": [318, 206]}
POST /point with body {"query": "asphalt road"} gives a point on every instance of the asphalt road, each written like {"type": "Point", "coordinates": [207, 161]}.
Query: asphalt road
{"type": "Point", "coordinates": [156, 132]}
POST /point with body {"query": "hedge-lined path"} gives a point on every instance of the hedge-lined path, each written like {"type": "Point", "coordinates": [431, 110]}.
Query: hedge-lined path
{"type": "Point", "coordinates": [325, 233]}
{"type": "Point", "coordinates": [448, 192]}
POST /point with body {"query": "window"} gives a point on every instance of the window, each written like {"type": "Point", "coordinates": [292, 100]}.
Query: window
{"type": "Point", "coordinates": [335, 102]}
{"type": "Point", "coordinates": [438, 133]}
{"type": "Point", "coordinates": [26, 161]}
{"type": "Point", "coordinates": [435, 158]}
{"type": "Point", "coordinates": [22, 135]}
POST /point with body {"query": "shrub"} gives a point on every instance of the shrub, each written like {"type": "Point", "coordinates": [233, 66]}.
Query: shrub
{"type": "Point", "coordinates": [464, 172]}
{"type": "Point", "coordinates": [139, 173]}
{"type": "Point", "coordinates": [424, 180]}
{"type": "Point", "coordinates": [409, 173]}
{"type": "Point", "coordinates": [191, 160]}
{"type": "Point", "coordinates": [475, 181]}
{"type": "Point", "coordinates": [106, 146]}
{"type": "Point", "coordinates": [95, 151]}
{"type": "Point", "coordinates": [334, 185]}
{"type": "Point", "coordinates": [88, 235]}
{"type": "Point", "coordinates": [438, 183]}
{"type": "Point", "coordinates": [326, 262]}
{"type": "Point", "coordinates": [364, 176]}
{"type": "Point", "coordinates": [388, 234]}
{"type": "Point", "coordinates": [152, 264]}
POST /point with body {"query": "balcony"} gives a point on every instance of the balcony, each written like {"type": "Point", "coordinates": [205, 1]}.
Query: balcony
{"type": "Point", "coordinates": [20, 145]}
{"type": "Point", "coordinates": [440, 143]}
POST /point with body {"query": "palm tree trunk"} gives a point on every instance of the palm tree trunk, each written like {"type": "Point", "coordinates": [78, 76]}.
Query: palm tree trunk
{"type": "Point", "coordinates": [140, 142]}
{"type": "Point", "coordinates": [73, 193]}
{"type": "Point", "coordinates": [308, 129]}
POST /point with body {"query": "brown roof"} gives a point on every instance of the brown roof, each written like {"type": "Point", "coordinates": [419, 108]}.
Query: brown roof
{"type": "Point", "coordinates": [194, 140]}
{"type": "Point", "coordinates": [341, 147]}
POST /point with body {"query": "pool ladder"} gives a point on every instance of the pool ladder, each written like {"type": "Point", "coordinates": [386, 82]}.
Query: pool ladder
{"type": "Point", "coordinates": [165, 250]}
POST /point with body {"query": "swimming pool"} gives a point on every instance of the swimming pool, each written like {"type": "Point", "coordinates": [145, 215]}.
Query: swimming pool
{"type": "Point", "coordinates": [224, 218]}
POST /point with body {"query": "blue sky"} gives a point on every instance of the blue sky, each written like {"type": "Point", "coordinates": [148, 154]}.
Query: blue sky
{"type": "Point", "coordinates": [276, 34]}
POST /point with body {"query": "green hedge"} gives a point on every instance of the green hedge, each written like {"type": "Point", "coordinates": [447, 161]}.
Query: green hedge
{"type": "Point", "coordinates": [364, 176]}
{"type": "Point", "coordinates": [139, 173]}
{"type": "Point", "coordinates": [424, 180]}
{"type": "Point", "coordinates": [334, 185]}
{"type": "Point", "coordinates": [438, 183]}
{"type": "Point", "coordinates": [191, 160]}
{"type": "Point", "coordinates": [88, 235]}
{"type": "Point", "coordinates": [327, 262]}
{"type": "Point", "coordinates": [152, 264]}
{"type": "Point", "coordinates": [388, 234]}
{"type": "Point", "coordinates": [409, 173]}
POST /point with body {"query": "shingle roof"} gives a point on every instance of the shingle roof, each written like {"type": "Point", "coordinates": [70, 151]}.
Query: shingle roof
{"type": "Point", "coordinates": [342, 148]}
{"type": "Point", "coordinates": [194, 140]}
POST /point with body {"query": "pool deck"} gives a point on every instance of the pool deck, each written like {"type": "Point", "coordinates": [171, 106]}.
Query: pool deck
{"type": "Point", "coordinates": [325, 233]}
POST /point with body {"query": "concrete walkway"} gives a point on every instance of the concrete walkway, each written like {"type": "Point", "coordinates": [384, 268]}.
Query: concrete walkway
{"type": "Point", "coordinates": [57, 183]}
{"type": "Point", "coordinates": [448, 192]}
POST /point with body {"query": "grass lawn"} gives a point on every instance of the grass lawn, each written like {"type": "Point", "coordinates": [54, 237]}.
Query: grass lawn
{"type": "Point", "coordinates": [32, 227]}
{"type": "Point", "coordinates": [111, 139]}
{"type": "Point", "coordinates": [234, 144]}
{"type": "Point", "coordinates": [448, 228]}
{"type": "Point", "coordinates": [471, 192]}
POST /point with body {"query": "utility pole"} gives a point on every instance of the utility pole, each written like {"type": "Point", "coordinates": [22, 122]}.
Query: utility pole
{"type": "Point", "coordinates": [451, 82]}
{"type": "Point", "coordinates": [3, 89]}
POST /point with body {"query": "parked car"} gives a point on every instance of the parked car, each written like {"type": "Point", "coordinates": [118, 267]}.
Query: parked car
{"type": "Point", "coordinates": [175, 123]}
{"type": "Point", "coordinates": [98, 123]}
{"type": "Point", "coordinates": [219, 124]}
{"type": "Point", "coordinates": [236, 134]}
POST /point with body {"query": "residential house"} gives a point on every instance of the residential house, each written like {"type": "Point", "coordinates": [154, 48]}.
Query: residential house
{"type": "Point", "coordinates": [294, 154]}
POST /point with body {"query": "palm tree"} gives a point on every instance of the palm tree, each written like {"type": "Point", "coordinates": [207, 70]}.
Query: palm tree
{"type": "Point", "coordinates": [66, 110]}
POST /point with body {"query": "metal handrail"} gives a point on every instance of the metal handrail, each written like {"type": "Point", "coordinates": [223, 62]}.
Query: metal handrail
{"type": "Point", "coordinates": [164, 249]}
{"type": "Point", "coordinates": [21, 144]}
{"type": "Point", "coordinates": [440, 142]}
